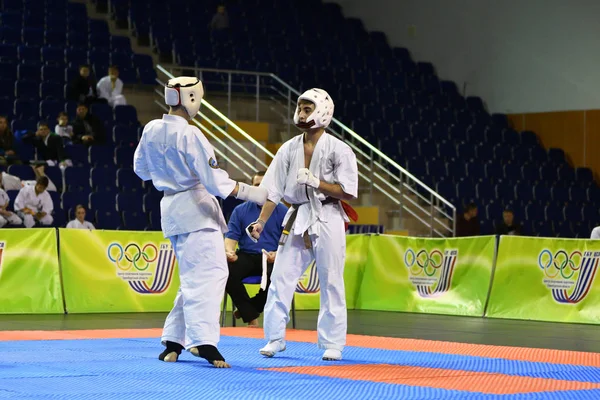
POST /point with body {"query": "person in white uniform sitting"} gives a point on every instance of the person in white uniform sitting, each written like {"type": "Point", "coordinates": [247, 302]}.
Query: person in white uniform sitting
{"type": "Point", "coordinates": [595, 233]}
{"type": "Point", "coordinates": [79, 222]}
{"type": "Point", "coordinates": [33, 203]}
{"type": "Point", "coordinates": [111, 88]}
{"type": "Point", "coordinates": [313, 172]}
{"type": "Point", "coordinates": [5, 215]}
{"type": "Point", "coordinates": [181, 163]}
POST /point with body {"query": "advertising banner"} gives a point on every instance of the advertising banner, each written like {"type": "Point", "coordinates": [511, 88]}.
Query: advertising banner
{"type": "Point", "coordinates": [29, 272]}
{"type": "Point", "coordinates": [546, 279]}
{"type": "Point", "coordinates": [117, 271]}
{"type": "Point", "coordinates": [438, 276]}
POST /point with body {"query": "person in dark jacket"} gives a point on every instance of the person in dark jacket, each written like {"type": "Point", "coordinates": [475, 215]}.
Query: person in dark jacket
{"type": "Point", "coordinates": [49, 145]}
{"type": "Point", "coordinates": [508, 225]}
{"type": "Point", "coordinates": [87, 128]}
{"type": "Point", "coordinates": [467, 224]}
{"type": "Point", "coordinates": [83, 87]}
{"type": "Point", "coordinates": [8, 155]}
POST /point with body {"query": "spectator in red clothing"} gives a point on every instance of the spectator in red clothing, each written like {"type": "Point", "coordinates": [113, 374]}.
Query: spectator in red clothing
{"type": "Point", "coordinates": [467, 224]}
{"type": "Point", "coordinates": [8, 154]}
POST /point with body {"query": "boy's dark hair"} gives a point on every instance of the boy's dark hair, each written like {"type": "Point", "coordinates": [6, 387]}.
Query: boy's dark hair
{"type": "Point", "coordinates": [62, 114]}
{"type": "Point", "coordinates": [42, 180]}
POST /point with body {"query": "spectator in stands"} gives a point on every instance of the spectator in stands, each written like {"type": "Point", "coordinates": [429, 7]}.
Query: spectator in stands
{"type": "Point", "coordinates": [49, 145]}
{"type": "Point", "coordinates": [110, 88]}
{"type": "Point", "coordinates": [87, 128]}
{"type": "Point", "coordinates": [247, 260]}
{"type": "Point", "coordinates": [83, 87]}
{"type": "Point", "coordinates": [595, 233]}
{"type": "Point", "coordinates": [33, 203]}
{"type": "Point", "coordinates": [508, 225]}
{"type": "Point", "coordinates": [64, 129]}
{"type": "Point", "coordinates": [220, 20]}
{"type": "Point", "coordinates": [11, 182]}
{"type": "Point", "coordinates": [79, 222]}
{"type": "Point", "coordinates": [5, 215]}
{"type": "Point", "coordinates": [7, 144]}
{"type": "Point", "coordinates": [467, 224]}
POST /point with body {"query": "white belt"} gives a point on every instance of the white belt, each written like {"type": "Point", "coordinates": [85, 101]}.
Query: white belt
{"type": "Point", "coordinates": [263, 279]}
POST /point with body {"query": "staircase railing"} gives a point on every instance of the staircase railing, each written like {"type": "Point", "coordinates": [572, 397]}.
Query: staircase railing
{"type": "Point", "coordinates": [379, 172]}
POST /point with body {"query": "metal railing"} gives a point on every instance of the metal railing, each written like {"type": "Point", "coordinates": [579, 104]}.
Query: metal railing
{"type": "Point", "coordinates": [381, 174]}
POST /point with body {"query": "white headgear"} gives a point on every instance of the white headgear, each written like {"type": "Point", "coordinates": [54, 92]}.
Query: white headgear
{"type": "Point", "coordinates": [184, 91]}
{"type": "Point", "coordinates": [323, 114]}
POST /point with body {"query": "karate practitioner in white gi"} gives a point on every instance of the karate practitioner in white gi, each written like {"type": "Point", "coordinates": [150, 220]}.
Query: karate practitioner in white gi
{"type": "Point", "coordinates": [180, 162]}
{"type": "Point", "coordinates": [313, 172]}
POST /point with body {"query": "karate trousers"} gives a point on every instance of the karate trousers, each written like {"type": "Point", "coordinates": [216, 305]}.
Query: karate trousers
{"type": "Point", "coordinates": [329, 252]}
{"type": "Point", "coordinates": [194, 320]}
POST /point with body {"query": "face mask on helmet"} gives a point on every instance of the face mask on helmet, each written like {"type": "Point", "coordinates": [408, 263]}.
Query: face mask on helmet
{"type": "Point", "coordinates": [323, 113]}
{"type": "Point", "coordinates": [186, 92]}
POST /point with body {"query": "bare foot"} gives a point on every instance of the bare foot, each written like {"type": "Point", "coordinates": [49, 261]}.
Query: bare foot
{"type": "Point", "coordinates": [220, 364]}
{"type": "Point", "coordinates": [237, 314]}
{"type": "Point", "coordinates": [253, 324]}
{"type": "Point", "coordinates": [171, 357]}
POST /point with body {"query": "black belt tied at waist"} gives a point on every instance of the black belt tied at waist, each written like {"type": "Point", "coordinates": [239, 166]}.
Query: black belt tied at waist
{"type": "Point", "coordinates": [290, 223]}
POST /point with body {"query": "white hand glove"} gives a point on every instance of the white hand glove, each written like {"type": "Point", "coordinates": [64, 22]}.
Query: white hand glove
{"type": "Point", "coordinates": [255, 194]}
{"type": "Point", "coordinates": [305, 177]}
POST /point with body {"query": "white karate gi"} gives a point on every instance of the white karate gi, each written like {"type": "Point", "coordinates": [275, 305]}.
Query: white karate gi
{"type": "Point", "coordinates": [27, 198]}
{"type": "Point", "coordinates": [75, 224]}
{"type": "Point", "coordinates": [181, 162]}
{"type": "Point", "coordinates": [595, 233]}
{"type": "Point", "coordinates": [113, 96]}
{"type": "Point", "coordinates": [12, 218]}
{"type": "Point", "coordinates": [333, 162]}
{"type": "Point", "coordinates": [11, 182]}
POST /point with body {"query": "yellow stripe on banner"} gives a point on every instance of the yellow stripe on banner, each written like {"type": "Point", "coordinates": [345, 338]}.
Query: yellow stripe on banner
{"type": "Point", "coordinates": [366, 216]}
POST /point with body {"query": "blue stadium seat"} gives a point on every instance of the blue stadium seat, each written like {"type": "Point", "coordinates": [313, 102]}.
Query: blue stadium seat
{"type": "Point", "coordinates": [549, 173]}
{"type": "Point", "coordinates": [566, 174]}
{"type": "Point", "coordinates": [560, 194]}
{"type": "Point", "coordinates": [493, 211]}
{"type": "Point", "coordinates": [553, 212]}
{"type": "Point", "coordinates": [155, 220]}
{"type": "Point", "coordinates": [29, 90]}
{"type": "Point", "coordinates": [49, 110]}
{"type": "Point", "coordinates": [59, 218]}
{"type": "Point", "coordinates": [33, 36]}
{"type": "Point", "coordinates": [538, 155]}
{"type": "Point", "coordinates": [107, 219]}
{"type": "Point", "coordinates": [544, 229]}
{"type": "Point", "coordinates": [104, 179]}
{"type": "Point", "coordinates": [590, 213]}
{"type": "Point", "coordinates": [128, 181]}
{"type": "Point", "coordinates": [28, 55]}
{"type": "Point", "coordinates": [102, 111]}
{"type": "Point", "coordinates": [134, 221]}
{"type": "Point", "coordinates": [493, 172]}
{"type": "Point", "coordinates": [52, 90]}
{"type": "Point", "coordinates": [510, 137]}
{"type": "Point", "coordinates": [78, 154]}
{"type": "Point", "coordinates": [126, 115]}
{"type": "Point", "coordinates": [151, 202]}
{"type": "Point", "coordinates": [55, 196]}
{"type": "Point", "coordinates": [577, 194]}
{"type": "Point", "coordinates": [465, 151]}
{"type": "Point", "coordinates": [54, 58]}
{"type": "Point", "coordinates": [529, 138]}
{"type": "Point", "coordinates": [12, 195]}
{"type": "Point", "coordinates": [55, 74]}
{"type": "Point", "coordinates": [503, 153]}
{"type": "Point", "coordinates": [530, 172]}
{"type": "Point", "coordinates": [8, 52]}
{"type": "Point", "coordinates": [70, 200]}
{"type": "Point", "coordinates": [129, 202]}
{"type": "Point", "coordinates": [584, 175]}
{"type": "Point", "coordinates": [102, 201]}
{"type": "Point", "coordinates": [446, 188]}
{"type": "Point", "coordinates": [10, 35]}
{"type": "Point", "coordinates": [125, 135]}
{"type": "Point", "coordinates": [55, 175]}
{"type": "Point", "coordinates": [436, 168]}
{"type": "Point", "coordinates": [556, 156]}
{"type": "Point", "coordinates": [523, 191]}
{"type": "Point", "coordinates": [55, 38]}
{"type": "Point", "coordinates": [572, 212]}
{"type": "Point", "coordinates": [101, 156]}
{"type": "Point", "coordinates": [465, 190]}
{"type": "Point", "coordinates": [25, 172]}
{"type": "Point", "coordinates": [77, 178]}
{"type": "Point", "coordinates": [505, 191]}
{"type": "Point", "coordinates": [124, 156]}
{"type": "Point", "coordinates": [563, 229]}
{"type": "Point", "coordinates": [485, 191]}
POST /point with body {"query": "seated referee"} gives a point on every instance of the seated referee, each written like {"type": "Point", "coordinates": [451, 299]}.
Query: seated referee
{"type": "Point", "coordinates": [247, 260]}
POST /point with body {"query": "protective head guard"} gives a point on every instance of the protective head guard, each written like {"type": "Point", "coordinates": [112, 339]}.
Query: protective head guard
{"type": "Point", "coordinates": [322, 115]}
{"type": "Point", "coordinates": [184, 91]}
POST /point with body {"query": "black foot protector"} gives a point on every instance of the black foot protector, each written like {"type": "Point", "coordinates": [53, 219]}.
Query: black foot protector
{"type": "Point", "coordinates": [210, 354]}
{"type": "Point", "coordinates": [171, 353]}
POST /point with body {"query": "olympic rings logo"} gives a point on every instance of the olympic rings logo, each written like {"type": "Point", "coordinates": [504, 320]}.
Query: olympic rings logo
{"type": "Point", "coordinates": [132, 255]}
{"type": "Point", "coordinates": [559, 263]}
{"type": "Point", "coordinates": [423, 262]}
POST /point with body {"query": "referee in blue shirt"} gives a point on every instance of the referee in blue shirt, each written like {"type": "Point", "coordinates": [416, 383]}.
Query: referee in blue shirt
{"type": "Point", "coordinates": [247, 260]}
